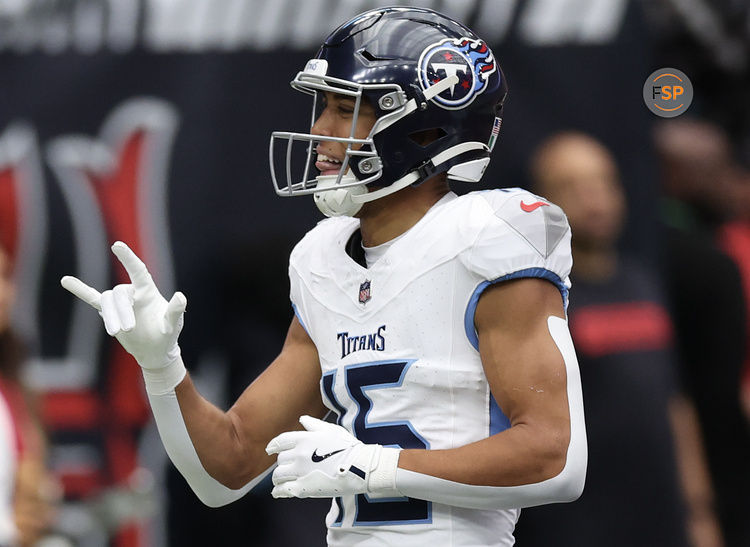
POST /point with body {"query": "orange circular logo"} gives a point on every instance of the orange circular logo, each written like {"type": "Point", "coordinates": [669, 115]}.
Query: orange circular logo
{"type": "Point", "coordinates": [668, 92]}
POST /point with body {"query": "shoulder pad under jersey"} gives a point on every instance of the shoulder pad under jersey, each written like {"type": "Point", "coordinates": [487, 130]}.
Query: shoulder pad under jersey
{"type": "Point", "coordinates": [524, 232]}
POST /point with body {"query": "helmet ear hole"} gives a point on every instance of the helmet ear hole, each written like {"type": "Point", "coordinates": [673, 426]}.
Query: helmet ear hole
{"type": "Point", "coordinates": [426, 137]}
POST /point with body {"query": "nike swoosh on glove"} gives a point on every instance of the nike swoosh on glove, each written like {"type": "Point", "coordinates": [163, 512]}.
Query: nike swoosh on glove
{"type": "Point", "coordinates": [325, 461]}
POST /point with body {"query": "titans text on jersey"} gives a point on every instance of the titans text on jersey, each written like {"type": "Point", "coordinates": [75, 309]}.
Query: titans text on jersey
{"type": "Point", "coordinates": [374, 341]}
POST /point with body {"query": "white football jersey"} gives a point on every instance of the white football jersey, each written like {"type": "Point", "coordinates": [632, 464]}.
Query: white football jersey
{"type": "Point", "coordinates": [398, 348]}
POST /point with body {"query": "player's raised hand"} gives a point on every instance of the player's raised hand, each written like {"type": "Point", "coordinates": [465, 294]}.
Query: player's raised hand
{"type": "Point", "coordinates": [136, 314]}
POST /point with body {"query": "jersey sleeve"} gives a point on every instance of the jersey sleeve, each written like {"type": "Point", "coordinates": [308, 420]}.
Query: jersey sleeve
{"type": "Point", "coordinates": [296, 292]}
{"type": "Point", "coordinates": [523, 236]}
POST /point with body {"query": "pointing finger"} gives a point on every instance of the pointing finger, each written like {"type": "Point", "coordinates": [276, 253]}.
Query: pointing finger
{"type": "Point", "coordinates": [91, 296]}
{"type": "Point", "coordinates": [135, 267]}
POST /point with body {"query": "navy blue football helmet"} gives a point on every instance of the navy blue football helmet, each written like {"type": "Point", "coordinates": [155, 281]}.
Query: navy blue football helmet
{"type": "Point", "coordinates": [424, 73]}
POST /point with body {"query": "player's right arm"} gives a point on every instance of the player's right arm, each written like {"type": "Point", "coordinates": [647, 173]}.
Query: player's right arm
{"type": "Point", "coordinates": [231, 445]}
{"type": "Point", "coordinates": [220, 454]}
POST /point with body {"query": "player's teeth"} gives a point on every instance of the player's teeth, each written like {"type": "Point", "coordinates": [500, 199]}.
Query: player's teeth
{"type": "Point", "coordinates": [323, 157]}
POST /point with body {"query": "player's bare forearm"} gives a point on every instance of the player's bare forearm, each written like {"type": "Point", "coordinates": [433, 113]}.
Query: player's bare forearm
{"type": "Point", "coordinates": [231, 444]}
{"type": "Point", "coordinates": [527, 376]}
{"type": "Point", "coordinates": [224, 453]}
{"type": "Point", "coordinates": [517, 456]}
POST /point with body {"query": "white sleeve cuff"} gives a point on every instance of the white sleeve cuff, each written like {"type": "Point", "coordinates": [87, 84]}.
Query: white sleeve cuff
{"type": "Point", "coordinates": [162, 380]}
{"type": "Point", "coordinates": [381, 481]}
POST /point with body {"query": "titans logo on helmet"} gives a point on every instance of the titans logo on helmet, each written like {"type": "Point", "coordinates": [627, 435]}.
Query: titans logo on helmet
{"type": "Point", "coordinates": [470, 60]}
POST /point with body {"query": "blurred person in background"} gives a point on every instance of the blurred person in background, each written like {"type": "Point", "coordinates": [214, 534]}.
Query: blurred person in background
{"type": "Point", "coordinates": [647, 481]}
{"type": "Point", "coordinates": [708, 303]}
{"type": "Point", "coordinates": [33, 490]}
{"type": "Point", "coordinates": [734, 239]}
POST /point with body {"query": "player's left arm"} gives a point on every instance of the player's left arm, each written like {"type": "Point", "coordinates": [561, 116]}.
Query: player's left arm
{"type": "Point", "coordinates": [524, 346]}
{"type": "Point", "coordinates": [532, 370]}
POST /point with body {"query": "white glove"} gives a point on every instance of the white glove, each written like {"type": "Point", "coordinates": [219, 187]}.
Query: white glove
{"type": "Point", "coordinates": [327, 461]}
{"type": "Point", "coordinates": [141, 319]}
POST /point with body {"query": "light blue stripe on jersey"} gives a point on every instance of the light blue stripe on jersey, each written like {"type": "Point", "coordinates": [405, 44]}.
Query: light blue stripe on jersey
{"type": "Point", "coordinates": [299, 318]}
{"type": "Point", "coordinates": [471, 308]}
{"type": "Point", "coordinates": [498, 420]}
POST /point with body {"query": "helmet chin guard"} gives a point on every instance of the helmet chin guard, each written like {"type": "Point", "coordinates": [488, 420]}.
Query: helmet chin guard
{"type": "Point", "coordinates": [425, 75]}
{"type": "Point", "coordinates": [335, 200]}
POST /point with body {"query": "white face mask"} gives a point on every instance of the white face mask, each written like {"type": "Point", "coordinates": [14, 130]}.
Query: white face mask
{"type": "Point", "coordinates": [291, 153]}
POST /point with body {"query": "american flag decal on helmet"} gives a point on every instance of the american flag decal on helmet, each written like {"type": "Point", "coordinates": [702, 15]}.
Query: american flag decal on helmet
{"type": "Point", "coordinates": [495, 133]}
{"type": "Point", "coordinates": [364, 292]}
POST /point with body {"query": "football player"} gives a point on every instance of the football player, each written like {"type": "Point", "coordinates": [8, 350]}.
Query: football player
{"type": "Point", "coordinates": [431, 327]}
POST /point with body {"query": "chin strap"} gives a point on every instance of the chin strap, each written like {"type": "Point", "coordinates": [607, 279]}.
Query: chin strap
{"type": "Point", "coordinates": [348, 201]}
{"type": "Point", "coordinates": [400, 184]}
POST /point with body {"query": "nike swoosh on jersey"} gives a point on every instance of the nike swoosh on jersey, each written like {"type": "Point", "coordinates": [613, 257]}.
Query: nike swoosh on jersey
{"type": "Point", "coordinates": [318, 458]}
{"type": "Point", "coordinates": [532, 206]}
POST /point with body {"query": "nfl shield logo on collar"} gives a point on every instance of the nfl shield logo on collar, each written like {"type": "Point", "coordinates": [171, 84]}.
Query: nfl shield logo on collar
{"type": "Point", "coordinates": [364, 292]}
